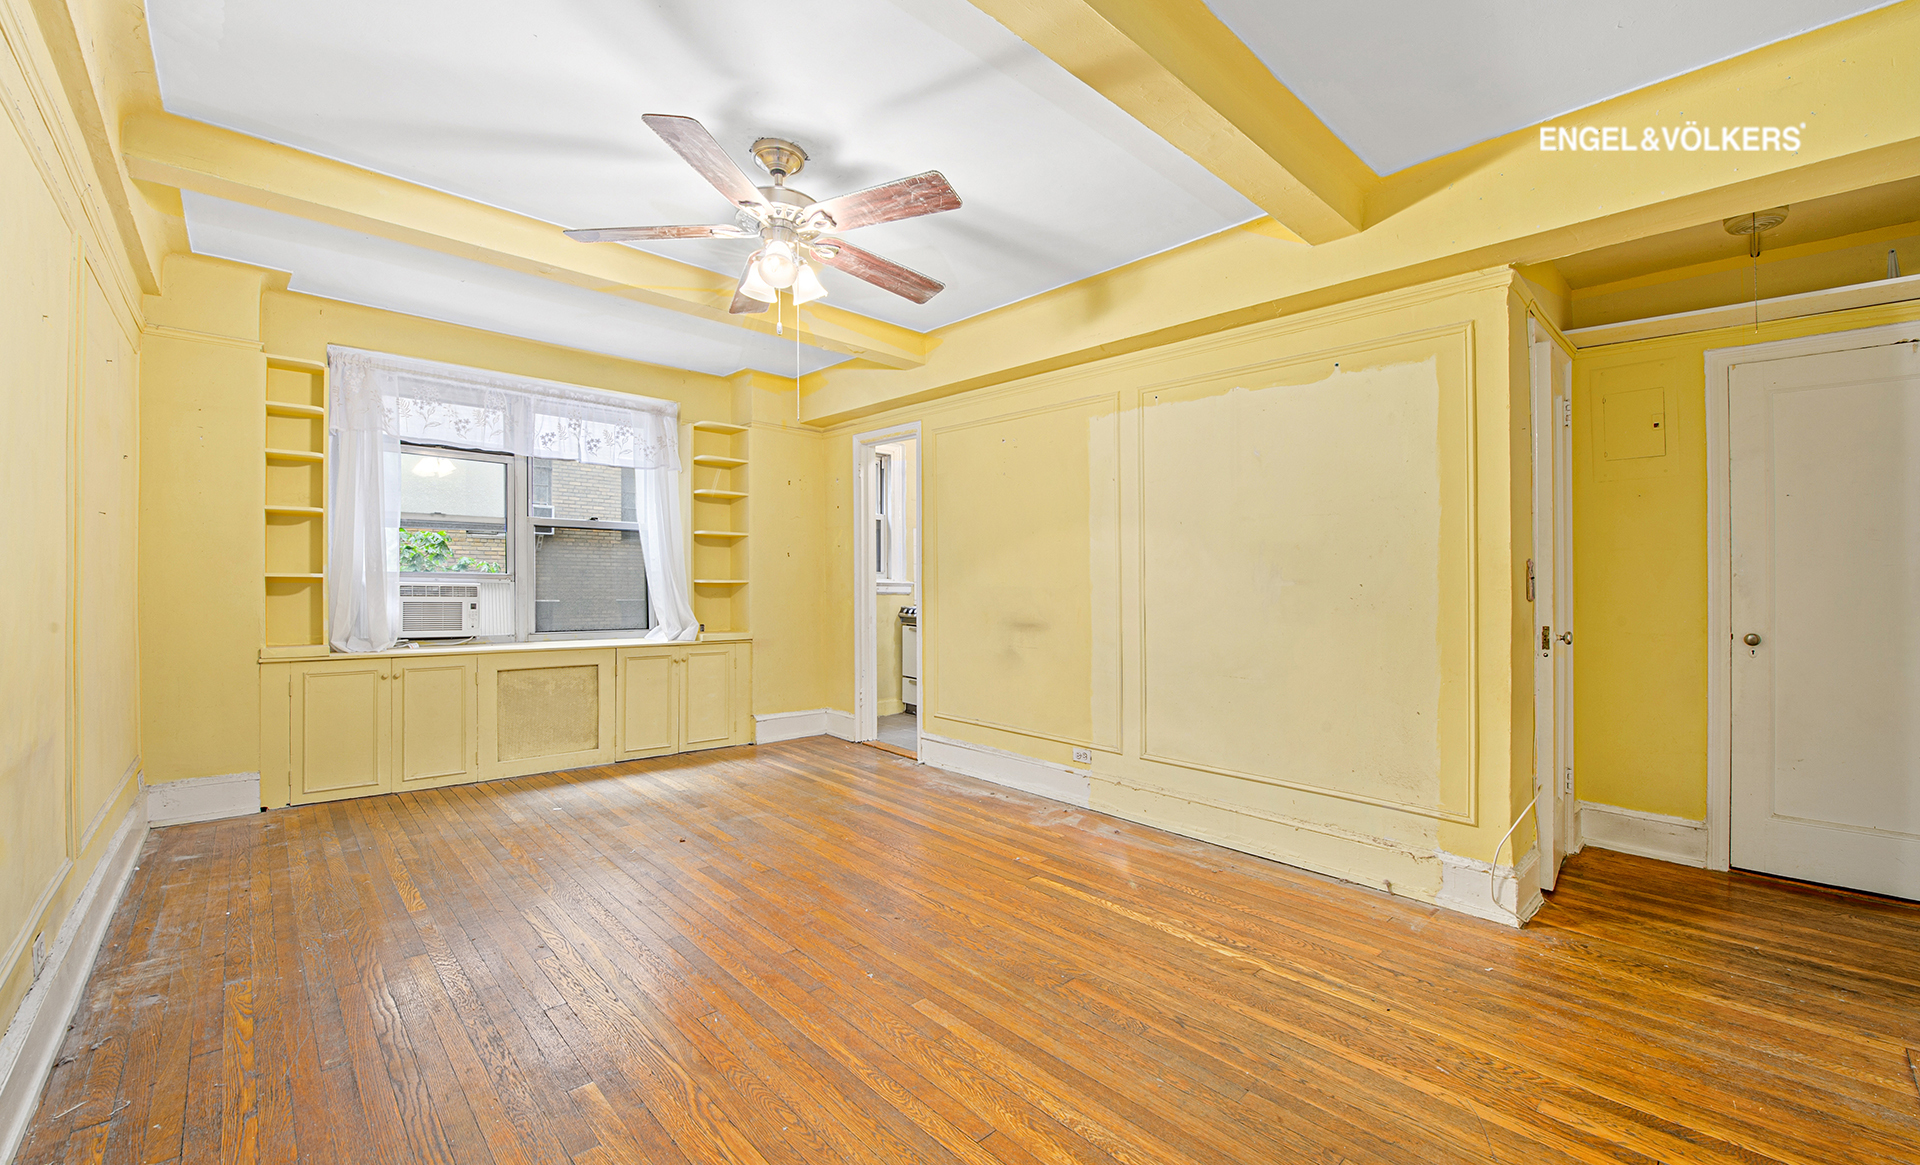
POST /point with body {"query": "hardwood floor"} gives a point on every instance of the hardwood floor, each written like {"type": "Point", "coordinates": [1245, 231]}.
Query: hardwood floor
{"type": "Point", "coordinates": [816, 952]}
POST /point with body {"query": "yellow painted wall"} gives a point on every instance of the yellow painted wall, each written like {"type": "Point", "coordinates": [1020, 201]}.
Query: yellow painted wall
{"type": "Point", "coordinates": [1268, 577]}
{"type": "Point", "coordinates": [69, 353]}
{"type": "Point", "coordinates": [1640, 566]}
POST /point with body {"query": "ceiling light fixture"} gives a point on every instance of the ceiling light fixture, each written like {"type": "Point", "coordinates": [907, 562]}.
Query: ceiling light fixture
{"type": "Point", "coordinates": [794, 227]}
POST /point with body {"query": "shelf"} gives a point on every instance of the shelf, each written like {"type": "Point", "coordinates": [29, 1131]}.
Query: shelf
{"type": "Point", "coordinates": [719, 582]}
{"type": "Point", "coordinates": [298, 511]}
{"type": "Point", "coordinates": [729, 494]}
{"type": "Point", "coordinates": [721, 462]}
{"type": "Point", "coordinates": [280, 408]}
{"type": "Point", "coordinates": [719, 533]}
{"type": "Point", "coordinates": [295, 364]}
{"type": "Point", "coordinates": [717, 427]}
{"type": "Point", "coordinates": [271, 577]}
{"type": "Point", "coordinates": [295, 455]}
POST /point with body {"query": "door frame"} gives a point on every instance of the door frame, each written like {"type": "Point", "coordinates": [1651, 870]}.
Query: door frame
{"type": "Point", "coordinates": [1720, 363]}
{"type": "Point", "coordinates": [866, 675]}
{"type": "Point", "coordinates": [1550, 376]}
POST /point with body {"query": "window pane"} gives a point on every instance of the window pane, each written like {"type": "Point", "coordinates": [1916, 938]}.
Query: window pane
{"type": "Point", "coordinates": [453, 514]}
{"type": "Point", "coordinates": [588, 580]}
{"type": "Point", "coordinates": [571, 491]}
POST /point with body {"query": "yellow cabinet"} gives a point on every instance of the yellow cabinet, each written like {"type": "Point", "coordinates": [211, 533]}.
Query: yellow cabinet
{"type": "Point", "coordinates": [681, 697]}
{"type": "Point", "coordinates": [708, 717]}
{"type": "Point", "coordinates": [649, 703]}
{"type": "Point", "coordinates": [351, 726]}
{"type": "Point", "coordinates": [435, 710]}
{"type": "Point", "coordinates": [341, 729]}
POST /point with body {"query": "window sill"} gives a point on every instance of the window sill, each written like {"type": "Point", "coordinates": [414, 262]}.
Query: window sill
{"type": "Point", "coordinates": [883, 587]}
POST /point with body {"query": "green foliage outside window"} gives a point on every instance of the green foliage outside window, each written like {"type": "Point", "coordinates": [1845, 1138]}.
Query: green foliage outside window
{"type": "Point", "coordinates": [431, 551]}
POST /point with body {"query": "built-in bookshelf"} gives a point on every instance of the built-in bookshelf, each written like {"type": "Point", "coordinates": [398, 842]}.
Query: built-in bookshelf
{"type": "Point", "coordinates": [715, 456]}
{"type": "Point", "coordinates": [296, 493]}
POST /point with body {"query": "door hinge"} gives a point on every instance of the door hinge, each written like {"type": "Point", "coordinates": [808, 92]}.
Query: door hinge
{"type": "Point", "coordinates": [1529, 580]}
{"type": "Point", "coordinates": [1566, 782]}
{"type": "Point", "coordinates": [1566, 412]}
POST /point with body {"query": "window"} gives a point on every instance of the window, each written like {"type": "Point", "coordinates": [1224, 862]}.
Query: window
{"type": "Point", "coordinates": [883, 515]}
{"type": "Point", "coordinates": [588, 570]}
{"type": "Point", "coordinates": [892, 521]}
{"type": "Point", "coordinates": [453, 513]}
{"type": "Point", "coordinates": [565, 560]}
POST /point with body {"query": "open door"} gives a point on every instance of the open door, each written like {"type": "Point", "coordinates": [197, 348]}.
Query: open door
{"type": "Point", "coordinates": [1551, 586]}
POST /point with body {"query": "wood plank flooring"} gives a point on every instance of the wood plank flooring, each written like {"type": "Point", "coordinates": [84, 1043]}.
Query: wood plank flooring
{"type": "Point", "coordinates": [815, 952]}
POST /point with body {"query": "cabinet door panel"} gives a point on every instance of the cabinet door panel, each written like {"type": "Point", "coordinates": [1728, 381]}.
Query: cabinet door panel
{"type": "Point", "coordinates": [707, 713]}
{"type": "Point", "coordinates": [434, 732]}
{"type": "Point", "coordinates": [342, 726]}
{"type": "Point", "coordinates": [545, 711]}
{"type": "Point", "coordinates": [649, 705]}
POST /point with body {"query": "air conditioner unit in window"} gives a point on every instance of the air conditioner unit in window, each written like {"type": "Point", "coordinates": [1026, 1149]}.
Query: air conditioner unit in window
{"type": "Point", "coordinates": [439, 611]}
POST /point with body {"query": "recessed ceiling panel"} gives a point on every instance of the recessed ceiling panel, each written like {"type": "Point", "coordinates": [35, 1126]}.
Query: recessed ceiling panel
{"type": "Point", "coordinates": [340, 264]}
{"type": "Point", "coordinates": [1402, 81]}
{"type": "Point", "coordinates": [536, 108]}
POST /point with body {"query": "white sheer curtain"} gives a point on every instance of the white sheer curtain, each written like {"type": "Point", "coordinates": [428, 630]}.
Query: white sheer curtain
{"type": "Point", "coordinates": [379, 399]}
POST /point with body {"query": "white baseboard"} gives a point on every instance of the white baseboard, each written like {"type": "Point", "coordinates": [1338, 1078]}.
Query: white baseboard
{"type": "Point", "coordinates": [1508, 895]}
{"type": "Point", "coordinates": [33, 1038]}
{"type": "Point", "coordinates": [839, 724]}
{"type": "Point", "coordinates": [1007, 768]}
{"type": "Point", "coordinates": [203, 798]}
{"type": "Point", "coordinates": [778, 726]}
{"type": "Point", "coordinates": [1648, 835]}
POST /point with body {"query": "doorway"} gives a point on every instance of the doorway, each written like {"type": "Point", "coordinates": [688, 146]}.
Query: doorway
{"type": "Point", "coordinates": [1821, 609]}
{"type": "Point", "coordinates": [1550, 589]}
{"type": "Point", "coordinates": [887, 611]}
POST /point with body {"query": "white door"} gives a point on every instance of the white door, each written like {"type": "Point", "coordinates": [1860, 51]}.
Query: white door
{"type": "Point", "coordinates": [1825, 540]}
{"type": "Point", "coordinates": [1552, 581]}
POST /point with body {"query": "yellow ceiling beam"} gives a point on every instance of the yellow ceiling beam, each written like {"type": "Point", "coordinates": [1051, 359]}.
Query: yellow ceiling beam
{"type": "Point", "coordinates": [191, 155]}
{"type": "Point", "coordinates": [1183, 74]}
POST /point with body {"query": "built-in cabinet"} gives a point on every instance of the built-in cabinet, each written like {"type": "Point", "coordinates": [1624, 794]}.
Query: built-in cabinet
{"type": "Point", "coordinates": [352, 726]}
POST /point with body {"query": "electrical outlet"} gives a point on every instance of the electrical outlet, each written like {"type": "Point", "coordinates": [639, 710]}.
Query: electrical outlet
{"type": "Point", "coordinates": [1083, 756]}
{"type": "Point", "coordinates": [39, 954]}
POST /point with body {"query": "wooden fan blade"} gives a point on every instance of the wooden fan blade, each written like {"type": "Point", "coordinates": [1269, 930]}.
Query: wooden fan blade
{"type": "Point", "coordinates": [646, 234]}
{"type": "Point", "coordinates": [903, 198]}
{"type": "Point", "coordinates": [744, 304]}
{"type": "Point", "coordinates": [882, 273]}
{"type": "Point", "coordinates": [692, 142]}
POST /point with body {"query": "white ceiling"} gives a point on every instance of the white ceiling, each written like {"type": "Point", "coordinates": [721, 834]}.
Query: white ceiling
{"type": "Point", "coordinates": [1402, 81]}
{"type": "Point", "coordinates": [536, 108]}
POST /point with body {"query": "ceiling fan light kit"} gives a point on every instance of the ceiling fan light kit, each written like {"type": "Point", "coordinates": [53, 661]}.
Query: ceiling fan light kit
{"type": "Point", "coordinates": [792, 227]}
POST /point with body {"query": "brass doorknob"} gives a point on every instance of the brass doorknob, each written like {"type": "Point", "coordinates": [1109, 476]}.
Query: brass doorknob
{"type": "Point", "coordinates": [1752, 639]}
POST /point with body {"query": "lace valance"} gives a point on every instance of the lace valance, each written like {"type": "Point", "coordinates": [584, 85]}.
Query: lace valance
{"type": "Point", "coordinates": [446, 404]}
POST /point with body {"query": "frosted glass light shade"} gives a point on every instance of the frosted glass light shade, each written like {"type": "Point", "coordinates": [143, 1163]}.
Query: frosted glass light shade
{"type": "Point", "coordinates": [778, 264]}
{"type": "Point", "coordinates": [807, 286]}
{"type": "Point", "coordinates": [753, 286]}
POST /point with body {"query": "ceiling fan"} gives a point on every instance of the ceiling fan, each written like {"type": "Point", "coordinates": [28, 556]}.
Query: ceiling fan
{"type": "Point", "coordinates": [791, 226]}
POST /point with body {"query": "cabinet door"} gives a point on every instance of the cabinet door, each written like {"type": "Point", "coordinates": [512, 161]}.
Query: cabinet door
{"type": "Point", "coordinates": [342, 730]}
{"type": "Point", "coordinates": [541, 711]}
{"type": "Point", "coordinates": [649, 703]}
{"type": "Point", "coordinates": [435, 737]}
{"type": "Point", "coordinates": [708, 704]}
